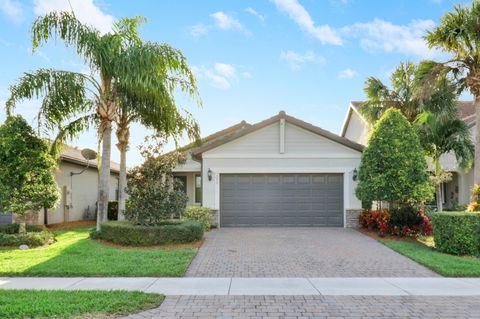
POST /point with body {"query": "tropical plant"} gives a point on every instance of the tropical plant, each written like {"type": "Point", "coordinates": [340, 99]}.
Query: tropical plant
{"type": "Point", "coordinates": [121, 67]}
{"type": "Point", "coordinates": [457, 34]}
{"type": "Point", "coordinates": [393, 166]}
{"type": "Point", "coordinates": [26, 174]}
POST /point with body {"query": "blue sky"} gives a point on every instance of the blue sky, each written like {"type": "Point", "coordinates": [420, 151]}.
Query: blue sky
{"type": "Point", "coordinates": [251, 58]}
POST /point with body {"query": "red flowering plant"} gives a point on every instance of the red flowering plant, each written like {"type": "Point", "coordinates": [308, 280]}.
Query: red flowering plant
{"type": "Point", "coordinates": [375, 220]}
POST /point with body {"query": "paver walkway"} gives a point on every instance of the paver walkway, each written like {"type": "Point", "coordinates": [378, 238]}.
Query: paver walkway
{"type": "Point", "coordinates": [299, 252]}
{"type": "Point", "coordinates": [345, 307]}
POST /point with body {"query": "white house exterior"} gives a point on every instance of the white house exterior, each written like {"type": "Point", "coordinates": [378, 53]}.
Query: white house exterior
{"type": "Point", "coordinates": [278, 172]}
{"type": "Point", "coordinates": [457, 191]}
{"type": "Point", "coordinates": [78, 192]}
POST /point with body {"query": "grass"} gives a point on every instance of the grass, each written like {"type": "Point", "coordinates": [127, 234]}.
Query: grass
{"type": "Point", "coordinates": [443, 264]}
{"type": "Point", "coordinates": [68, 304]}
{"type": "Point", "coordinates": [74, 254]}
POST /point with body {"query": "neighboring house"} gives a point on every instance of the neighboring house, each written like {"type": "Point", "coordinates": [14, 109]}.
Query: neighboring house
{"type": "Point", "coordinates": [278, 172]}
{"type": "Point", "coordinates": [78, 191]}
{"type": "Point", "coordinates": [457, 191]}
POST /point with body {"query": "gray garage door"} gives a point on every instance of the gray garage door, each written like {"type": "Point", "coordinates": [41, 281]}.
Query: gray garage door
{"type": "Point", "coordinates": [281, 200]}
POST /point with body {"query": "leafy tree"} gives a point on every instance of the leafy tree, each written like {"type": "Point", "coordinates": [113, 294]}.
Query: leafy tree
{"type": "Point", "coordinates": [393, 166]}
{"type": "Point", "coordinates": [457, 34]}
{"type": "Point", "coordinates": [121, 66]}
{"type": "Point", "coordinates": [26, 178]}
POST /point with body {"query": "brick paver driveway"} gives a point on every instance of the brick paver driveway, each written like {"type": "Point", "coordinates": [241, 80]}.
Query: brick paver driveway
{"type": "Point", "coordinates": [245, 307]}
{"type": "Point", "coordinates": [299, 252]}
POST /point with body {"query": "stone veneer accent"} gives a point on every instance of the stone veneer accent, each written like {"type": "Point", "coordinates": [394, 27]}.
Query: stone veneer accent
{"type": "Point", "coordinates": [215, 219]}
{"type": "Point", "coordinates": [352, 218]}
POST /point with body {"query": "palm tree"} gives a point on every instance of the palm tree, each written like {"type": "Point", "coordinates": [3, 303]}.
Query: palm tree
{"type": "Point", "coordinates": [162, 117]}
{"type": "Point", "coordinates": [440, 137]}
{"type": "Point", "coordinates": [457, 34]}
{"type": "Point", "coordinates": [118, 62]}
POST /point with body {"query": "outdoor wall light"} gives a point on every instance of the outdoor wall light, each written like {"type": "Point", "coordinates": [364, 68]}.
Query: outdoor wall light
{"type": "Point", "coordinates": [355, 175]}
{"type": "Point", "coordinates": [209, 174]}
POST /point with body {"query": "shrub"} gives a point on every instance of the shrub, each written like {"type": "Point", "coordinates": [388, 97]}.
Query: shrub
{"type": "Point", "coordinates": [13, 228]}
{"type": "Point", "coordinates": [475, 192]}
{"type": "Point", "coordinates": [125, 233]}
{"type": "Point", "coordinates": [37, 238]}
{"type": "Point", "coordinates": [112, 211]}
{"type": "Point", "coordinates": [393, 166]}
{"type": "Point", "coordinates": [203, 215]}
{"type": "Point", "coordinates": [473, 207]}
{"type": "Point", "coordinates": [375, 220]}
{"type": "Point", "coordinates": [457, 233]}
{"type": "Point", "coordinates": [154, 195]}
{"type": "Point", "coordinates": [405, 216]}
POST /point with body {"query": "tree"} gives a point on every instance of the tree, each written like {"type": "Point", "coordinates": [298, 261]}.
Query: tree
{"type": "Point", "coordinates": [404, 96]}
{"type": "Point", "coordinates": [457, 34]}
{"type": "Point", "coordinates": [119, 64]}
{"type": "Point", "coordinates": [26, 177]}
{"type": "Point", "coordinates": [440, 137]}
{"type": "Point", "coordinates": [393, 166]}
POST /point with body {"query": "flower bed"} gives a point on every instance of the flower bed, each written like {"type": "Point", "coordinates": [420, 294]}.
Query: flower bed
{"type": "Point", "coordinates": [126, 233]}
{"type": "Point", "coordinates": [403, 221]}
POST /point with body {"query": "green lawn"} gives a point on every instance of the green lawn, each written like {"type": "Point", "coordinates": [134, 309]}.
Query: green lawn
{"type": "Point", "coordinates": [443, 264]}
{"type": "Point", "coordinates": [68, 304]}
{"type": "Point", "coordinates": [74, 254]}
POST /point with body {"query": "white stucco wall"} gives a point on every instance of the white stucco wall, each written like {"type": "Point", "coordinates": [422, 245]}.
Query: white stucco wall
{"type": "Point", "coordinates": [260, 152]}
{"type": "Point", "coordinates": [357, 129]}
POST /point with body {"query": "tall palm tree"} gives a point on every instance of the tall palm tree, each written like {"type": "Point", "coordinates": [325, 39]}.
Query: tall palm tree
{"type": "Point", "coordinates": [118, 62]}
{"type": "Point", "coordinates": [458, 35]}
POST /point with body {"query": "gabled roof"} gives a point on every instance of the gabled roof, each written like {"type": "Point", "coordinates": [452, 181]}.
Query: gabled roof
{"type": "Point", "coordinates": [197, 153]}
{"type": "Point", "coordinates": [466, 112]}
{"type": "Point", "coordinates": [73, 155]}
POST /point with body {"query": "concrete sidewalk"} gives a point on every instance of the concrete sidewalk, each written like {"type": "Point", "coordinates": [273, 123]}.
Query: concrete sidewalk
{"type": "Point", "coordinates": [418, 286]}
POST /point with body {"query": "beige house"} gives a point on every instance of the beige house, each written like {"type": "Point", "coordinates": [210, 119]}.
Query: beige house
{"type": "Point", "coordinates": [457, 191]}
{"type": "Point", "coordinates": [78, 188]}
{"type": "Point", "coordinates": [279, 172]}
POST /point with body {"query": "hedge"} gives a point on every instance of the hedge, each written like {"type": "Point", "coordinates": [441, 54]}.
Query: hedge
{"type": "Point", "coordinates": [13, 228]}
{"type": "Point", "coordinates": [457, 232]}
{"type": "Point", "coordinates": [203, 215]}
{"type": "Point", "coordinates": [32, 239]}
{"type": "Point", "coordinates": [125, 233]}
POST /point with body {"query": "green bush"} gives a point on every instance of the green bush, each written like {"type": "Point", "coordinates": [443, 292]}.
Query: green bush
{"type": "Point", "coordinates": [37, 238]}
{"type": "Point", "coordinates": [112, 210]}
{"type": "Point", "coordinates": [406, 215]}
{"type": "Point", "coordinates": [203, 215]}
{"type": "Point", "coordinates": [457, 233]}
{"type": "Point", "coordinates": [13, 228]}
{"type": "Point", "coordinates": [125, 233]}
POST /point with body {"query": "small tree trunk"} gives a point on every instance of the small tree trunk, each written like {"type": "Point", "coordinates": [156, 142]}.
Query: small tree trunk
{"type": "Point", "coordinates": [476, 167]}
{"type": "Point", "coordinates": [122, 182]}
{"type": "Point", "coordinates": [439, 197]}
{"type": "Point", "coordinates": [22, 227]}
{"type": "Point", "coordinates": [104, 182]}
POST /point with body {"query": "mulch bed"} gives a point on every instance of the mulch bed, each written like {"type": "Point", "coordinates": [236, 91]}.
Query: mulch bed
{"type": "Point", "coordinates": [196, 245]}
{"type": "Point", "coordinates": [374, 235]}
{"type": "Point", "coordinates": [69, 225]}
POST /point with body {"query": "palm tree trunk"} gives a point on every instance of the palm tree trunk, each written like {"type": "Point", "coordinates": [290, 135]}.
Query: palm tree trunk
{"type": "Point", "coordinates": [104, 182]}
{"type": "Point", "coordinates": [22, 225]}
{"type": "Point", "coordinates": [476, 166]}
{"type": "Point", "coordinates": [122, 182]}
{"type": "Point", "coordinates": [438, 186]}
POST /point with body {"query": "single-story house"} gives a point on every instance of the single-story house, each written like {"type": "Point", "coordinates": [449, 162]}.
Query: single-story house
{"type": "Point", "coordinates": [457, 191]}
{"type": "Point", "coordinates": [78, 188]}
{"type": "Point", "coordinates": [279, 172]}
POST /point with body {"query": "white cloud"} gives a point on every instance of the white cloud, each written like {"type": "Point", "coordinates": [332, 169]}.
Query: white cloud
{"type": "Point", "coordinates": [295, 11]}
{"type": "Point", "coordinates": [225, 21]}
{"type": "Point", "coordinates": [252, 11]}
{"type": "Point", "coordinates": [85, 11]}
{"type": "Point", "coordinates": [12, 9]}
{"type": "Point", "coordinates": [198, 30]}
{"type": "Point", "coordinates": [246, 74]}
{"type": "Point", "coordinates": [380, 35]}
{"type": "Point", "coordinates": [221, 76]}
{"type": "Point", "coordinates": [347, 74]}
{"type": "Point", "coordinates": [297, 60]}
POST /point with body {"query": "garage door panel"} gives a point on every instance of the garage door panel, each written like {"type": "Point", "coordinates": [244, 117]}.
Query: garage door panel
{"type": "Point", "coordinates": [281, 200]}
